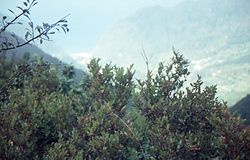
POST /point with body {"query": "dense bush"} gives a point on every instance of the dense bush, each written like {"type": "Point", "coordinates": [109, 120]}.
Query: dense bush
{"type": "Point", "coordinates": [111, 116]}
{"type": "Point", "coordinates": [45, 115]}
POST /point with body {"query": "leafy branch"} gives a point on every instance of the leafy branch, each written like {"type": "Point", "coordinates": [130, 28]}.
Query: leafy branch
{"type": "Point", "coordinates": [25, 12]}
{"type": "Point", "coordinates": [40, 32]}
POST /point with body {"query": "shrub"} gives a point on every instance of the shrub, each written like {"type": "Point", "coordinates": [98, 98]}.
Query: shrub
{"type": "Point", "coordinates": [113, 117]}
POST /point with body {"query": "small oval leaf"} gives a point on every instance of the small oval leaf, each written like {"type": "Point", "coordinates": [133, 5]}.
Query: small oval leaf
{"type": "Point", "coordinates": [11, 11]}
{"type": "Point", "coordinates": [25, 3]}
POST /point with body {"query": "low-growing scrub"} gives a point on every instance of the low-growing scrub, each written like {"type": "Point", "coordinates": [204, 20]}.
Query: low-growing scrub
{"type": "Point", "coordinates": [110, 115]}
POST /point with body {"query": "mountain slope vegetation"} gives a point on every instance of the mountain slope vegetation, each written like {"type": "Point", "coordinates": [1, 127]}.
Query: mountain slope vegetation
{"type": "Point", "coordinates": [242, 108]}
{"type": "Point", "coordinates": [32, 51]}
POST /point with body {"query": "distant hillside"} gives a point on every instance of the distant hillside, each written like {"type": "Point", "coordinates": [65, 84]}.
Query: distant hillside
{"type": "Point", "coordinates": [34, 51]}
{"type": "Point", "coordinates": [214, 35]}
{"type": "Point", "coordinates": [243, 108]}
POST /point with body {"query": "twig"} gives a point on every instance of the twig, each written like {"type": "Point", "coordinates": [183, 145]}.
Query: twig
{"type": "Point", "coordinates": [131, 133]}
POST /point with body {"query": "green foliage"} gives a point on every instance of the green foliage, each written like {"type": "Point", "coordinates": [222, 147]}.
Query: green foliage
{"type": "Point", "coordinates": [67, 79]}
{"type": "Point", "coordinates": [184, 124]}
{"type": "Point", "coordinates": [111, 116]}
{"type": "Point", "coordinates": [45, 115]}
{"type": "Point", "coordinates": [34, 114]}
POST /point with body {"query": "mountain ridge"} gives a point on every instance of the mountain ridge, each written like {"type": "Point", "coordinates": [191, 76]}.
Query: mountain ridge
{"type": "Point", "coordinates": [242, 108]}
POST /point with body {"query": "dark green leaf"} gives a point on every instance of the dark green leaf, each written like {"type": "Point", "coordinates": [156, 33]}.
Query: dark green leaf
{"type": "Point", "coordinates": [11, 11]}
{"type": "Point", "coordinates": [63, 29]}
{"type": "Point", "coordinates": [39, 29]}
{"type": "Point", "coordinates": [63, 20]}
{"type": "Point", "coordinates": [51, 33]}
{"type": "Point", "coordinates": [31, 24]}
{"type": "Point", "coordinates": [20, 8]}
{"type": "Point", "coordinates": [35, 3]}
{"type": "Point", "coordinates": [27, 16]}
{"type": "Point", "coordinates": [27, 35]}
{"type": "Point", "coordinates": [25, 3]}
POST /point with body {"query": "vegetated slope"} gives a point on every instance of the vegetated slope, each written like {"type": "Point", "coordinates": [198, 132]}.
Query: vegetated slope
{"type": "Point", "coordinates": [243, 108]}
{"type": "Point", "coordinates": [33, 51]}
{"type": "Point", "coordinates": [214, 35]}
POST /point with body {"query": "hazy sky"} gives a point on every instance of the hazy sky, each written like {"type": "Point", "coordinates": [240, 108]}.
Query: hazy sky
{"type": "Point", "coordinates": [88, 19]}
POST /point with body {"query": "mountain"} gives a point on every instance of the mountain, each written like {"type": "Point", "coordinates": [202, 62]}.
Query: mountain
{"type": "Point", "coordinates": [35, 51]}
{"type": "Point", "coordinates": [214, 35]}
{"type": "Point", "coordinates": [243, 109]}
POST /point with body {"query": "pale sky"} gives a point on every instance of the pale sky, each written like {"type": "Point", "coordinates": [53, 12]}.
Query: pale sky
{"type": "Point", "coordinates": [89, 19]}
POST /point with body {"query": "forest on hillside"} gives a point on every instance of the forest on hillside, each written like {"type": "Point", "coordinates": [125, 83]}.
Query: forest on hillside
{"type": "Point", "coordinates": [106, 113]}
